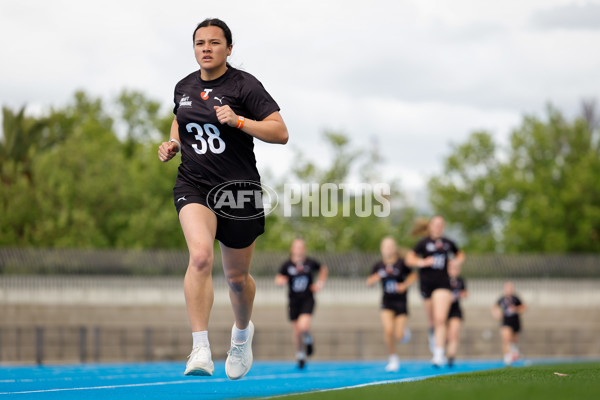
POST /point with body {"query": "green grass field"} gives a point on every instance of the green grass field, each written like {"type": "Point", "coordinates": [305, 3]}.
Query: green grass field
{"type": "Point", "coordinates": [527, 383]}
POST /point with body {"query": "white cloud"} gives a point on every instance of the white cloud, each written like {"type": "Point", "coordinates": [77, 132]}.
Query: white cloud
{"type": "Point", "coordinates": [576, 16]}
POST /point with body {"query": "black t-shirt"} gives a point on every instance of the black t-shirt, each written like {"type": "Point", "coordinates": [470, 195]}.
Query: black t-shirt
{"type": "Point", "coordinates": [213, 153]}
{"type": "Point", "coordinates": [440, 249]}
{"type": "Point", "coordinates": [391, 275]}
{"type": "Point", "coordinates": [457, 285]}
{"type": "Point", "coordinates": [300, 277]}
{"type": "Point", "coordinates": [508, 304]}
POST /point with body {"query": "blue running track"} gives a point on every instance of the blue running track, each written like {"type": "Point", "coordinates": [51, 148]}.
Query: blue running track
{"type": "Point", "coordinates": [165, 380]}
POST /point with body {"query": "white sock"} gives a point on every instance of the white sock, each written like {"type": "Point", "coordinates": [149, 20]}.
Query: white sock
{"type": "Point", "coordinates": [438, 352]}
{"type": "Point", "coordinates": [240, 336]}
{"type": "Point", "coordinates": [300, 355]}
{"type": "Point", "coordinates": [393, 358]}
{"type": "Point", "coordinates": [200, 339]}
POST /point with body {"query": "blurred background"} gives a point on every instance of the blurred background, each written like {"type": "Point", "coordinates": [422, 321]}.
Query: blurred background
{"type": "Point", "coordinates": [483, 113]}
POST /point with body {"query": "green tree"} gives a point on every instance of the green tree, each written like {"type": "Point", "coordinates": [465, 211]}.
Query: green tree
{"type": "Point", "coordinates": [345, 230]}
{"type": "Point", "coordinates": [79, 188]}
{"type": "Point", "coordinates": [470, 192]}
{"type": "Point", "coordinates": [540, 194]}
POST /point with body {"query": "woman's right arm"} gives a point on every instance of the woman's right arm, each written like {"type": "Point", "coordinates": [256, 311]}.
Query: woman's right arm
{"type": "Point", "coordinates": [280, 280]}
{"type": "Point", "coordinates": [167, 150]}
{"type": "Point", "coordinates": [496, 313]}
{"type": "Point", "coordinates": [412, 260]}
{"type": "Point", "coordinates": [373, 278]}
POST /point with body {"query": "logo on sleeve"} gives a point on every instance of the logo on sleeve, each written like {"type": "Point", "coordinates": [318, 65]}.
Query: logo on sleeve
{"type": "Point", "coordinates": [204, 94]}
{"type": "Point", "coordinates": [185, 101]}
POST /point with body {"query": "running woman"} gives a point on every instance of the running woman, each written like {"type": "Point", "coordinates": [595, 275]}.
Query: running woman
{"type": "Point", "coordinates": [395, 278]}
{"type": "Point", "coordinates": [507, 309]}
{"type": "Point", "coordinates": [455, 316]}
{"type": "Point", "coordinates": [432, 255]}
{"type": "Point", "coordinates": [219, 110]}
{"type": "Point", "coordinates": [298, 273]}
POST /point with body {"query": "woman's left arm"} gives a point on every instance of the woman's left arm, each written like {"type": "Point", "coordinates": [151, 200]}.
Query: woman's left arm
{"type": "Point", "coordinates": [272, 129]}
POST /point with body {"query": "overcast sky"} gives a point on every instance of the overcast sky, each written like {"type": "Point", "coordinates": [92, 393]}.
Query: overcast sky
{"type": "Point", "coordinates": [416, 75]}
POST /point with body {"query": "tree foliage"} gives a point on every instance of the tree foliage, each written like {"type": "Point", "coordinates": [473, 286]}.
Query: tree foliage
{"type": "Point", "coordinates": [541, 193]}
{"type": "Point", "coordinates": [68, 180]}
{"type": "Point", "coordinates": [346, 229]}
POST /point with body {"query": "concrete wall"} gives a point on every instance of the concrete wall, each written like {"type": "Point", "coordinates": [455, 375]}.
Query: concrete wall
{"type": "Point", "coordinates": [127, 319]}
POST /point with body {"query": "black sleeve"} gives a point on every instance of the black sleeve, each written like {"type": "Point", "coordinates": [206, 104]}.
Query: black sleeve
{"type": "Point", "coordinates": [453, 247]}
{"type": "Point", "coordinates": [375, 269]}
{"type": "Point", "coordinates": [499, 302]}
{"type": "Point", "coordinates": [256, 99]}
{"type": "Point", "coordinates": [419, 248]}
{"type": "Point", "coordinates": [176, 107]}
{"type": "Point", "coordinates": [283, 270]}
{"type": "Point", "coordinates": [316, 265]}
{"type": "Point", "coordinates": [406, 270]}
{"type": "Point", "coordinates": [464, 284]}
{"type": "Point", "coordinates": [517, 301]}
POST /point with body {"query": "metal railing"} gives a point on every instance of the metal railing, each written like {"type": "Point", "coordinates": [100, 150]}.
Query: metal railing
{"type": "Point", "coordinates": [82, 344]}
{"type": "Point", "coordinates": [31, 261]}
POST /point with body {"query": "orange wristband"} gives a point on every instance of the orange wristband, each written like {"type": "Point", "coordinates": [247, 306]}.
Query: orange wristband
{"type": "Point", "coordinates": [240, 123]}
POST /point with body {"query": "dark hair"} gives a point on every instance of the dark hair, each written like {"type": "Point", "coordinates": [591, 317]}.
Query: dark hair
{"type": "Point", "coordinates": [215, 22]}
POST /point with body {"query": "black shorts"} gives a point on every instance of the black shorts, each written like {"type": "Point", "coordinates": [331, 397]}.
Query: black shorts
{"type": "Point", "coordinates": [427, 287]}
{"type": "Point", "coordinates": [397, 306]}
{"type": "Point", "coordinates": [233, 232]}
{"type": "Point", "coordinates": [513, 323]}
{"type": "Point", "coordinates": [455, 311]}
{"type": "Point", "coordinates": [302, 305]}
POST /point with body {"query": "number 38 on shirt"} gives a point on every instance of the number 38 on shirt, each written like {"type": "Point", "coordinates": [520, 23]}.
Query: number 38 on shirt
{"type": "Point", "coordinates": [214, 143]}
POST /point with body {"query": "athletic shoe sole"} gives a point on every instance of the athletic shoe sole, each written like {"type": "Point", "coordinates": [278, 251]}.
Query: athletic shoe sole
{"type": "Point", "coordinates": [199, 371]}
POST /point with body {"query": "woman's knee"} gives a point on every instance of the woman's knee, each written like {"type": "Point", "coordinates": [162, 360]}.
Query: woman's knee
{"type": "Point", "coordinates": [201, 260]}
{"type": "Point", "coordinates": [237, 281]}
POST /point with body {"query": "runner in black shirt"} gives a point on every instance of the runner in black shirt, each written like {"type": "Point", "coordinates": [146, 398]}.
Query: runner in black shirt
{"type": "Point", "coordinates": [298, 273]}
{"type": "Point", "coordinates": [455, 316]}
{"type": "Point", "coordinates": [395, 278]}
{"type": "Point", "coordinates": [507, 309]}
{"type": "Point", "coordinates": [219, 110]}
{"type": "Point", "coordinates": [432, 256]}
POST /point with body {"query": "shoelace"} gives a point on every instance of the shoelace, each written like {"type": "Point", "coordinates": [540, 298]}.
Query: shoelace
{"type": "Point", "coordinates": [195, 350]}
{"type": "Point", "coordinates": [235, 352]}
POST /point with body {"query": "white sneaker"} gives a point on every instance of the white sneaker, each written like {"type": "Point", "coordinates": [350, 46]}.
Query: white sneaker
{"type": "Point", "coordinates": [239, 357]}
{"type": "Point", "coordinates": [393, 364]}
{"type": "Point", "coordinates": [508, 359]}
{"type": "Point", "coordinates": [199, 362]}
{"type": "Point", "coordinates": [438, 359]}
{"type": "Point", "coordinates": [514, 350]}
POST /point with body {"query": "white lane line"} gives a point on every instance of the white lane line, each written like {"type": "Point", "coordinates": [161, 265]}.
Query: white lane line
{"type": "Point", "coordinates": [105, 377]}
{"type": "Point", "coordinates": [101, 387]}
{"type": "Point", "coordinates": [191, 380]}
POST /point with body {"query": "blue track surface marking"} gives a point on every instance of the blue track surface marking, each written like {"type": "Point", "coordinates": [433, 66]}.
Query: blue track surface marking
{"type": "Point", "coordinates": [165, 380]}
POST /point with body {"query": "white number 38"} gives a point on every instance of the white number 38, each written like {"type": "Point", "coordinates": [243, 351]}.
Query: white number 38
{"type": "Point", "coordinates": [214, 141]}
